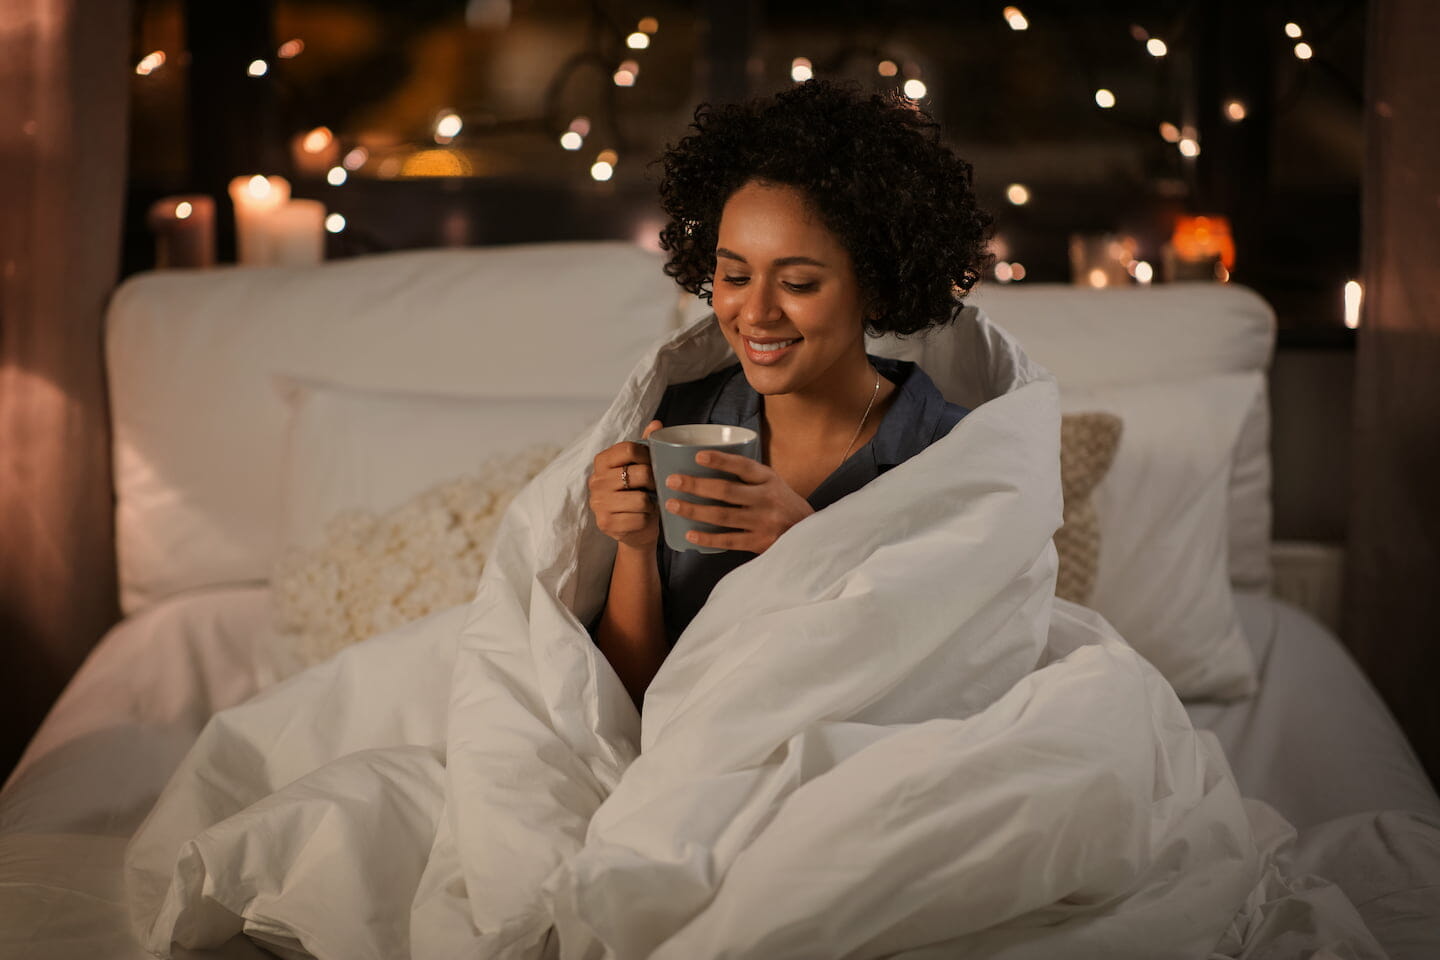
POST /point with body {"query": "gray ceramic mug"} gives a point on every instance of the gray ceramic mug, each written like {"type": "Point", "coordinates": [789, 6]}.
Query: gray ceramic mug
{"type": "Point", "coordinates": [672, 450]}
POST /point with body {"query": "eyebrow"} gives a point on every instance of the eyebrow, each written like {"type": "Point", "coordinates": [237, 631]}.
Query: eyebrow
{"type": "Point", "coordinates": [779, 261]}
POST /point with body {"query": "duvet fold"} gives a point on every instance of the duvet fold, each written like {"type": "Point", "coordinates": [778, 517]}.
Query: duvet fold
{"type": "Point", "coordinates": [882, 737]}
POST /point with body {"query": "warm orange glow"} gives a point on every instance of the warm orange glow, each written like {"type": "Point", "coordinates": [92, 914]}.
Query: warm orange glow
{"type": "Point", "coordinates": [608, 156]}
{"type": "Point", "coordinates": [183, 209]}
{"type": "Point", "coordinates": [317, 140]}
{"type": "Point", "coordinates": [436, 163]}
{"type": "Point", "coordinates": [648, 25]}
{"type": "Point", "coordinates": [258, 187]}
{"type": "Point", "coordinates": [150, 63]}
{"type": "Point", "coordinates": [1199, 238]}
{"type": "Point", "coordinates": [887, 68]}
{"type": "Point", "coordinates": [291, 48]}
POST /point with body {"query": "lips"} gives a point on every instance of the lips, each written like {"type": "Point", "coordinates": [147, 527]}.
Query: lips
{"type": "Point", "coordinates": [769, 350]}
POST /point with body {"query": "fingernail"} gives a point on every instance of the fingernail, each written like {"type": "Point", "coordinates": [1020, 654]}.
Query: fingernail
{"type": "Point", "coordinates": [692, 536]}
{"type": "Point", "coordinates": [702, 457]}
{"type": "Point", "coordinates": [672, 505]}
{"type": "Point", "coordinates": [673, 482]}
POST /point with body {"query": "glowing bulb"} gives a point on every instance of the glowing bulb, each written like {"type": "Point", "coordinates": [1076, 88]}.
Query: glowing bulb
{"type": "Point", "coordinates": [1189, 147]}
{"type": "Point", "coordinates": [1156, 47]}
{"type": "Point", "coordinates": [356, 158]}
{"type": "Point", "coordinates": [1018, 194]}
{"type": "Point", "coordinates": [1015, 18]}
{"type": "Point", "coordinates": [258, 187]}
{"type": "Point", "coordinates": [601, 170]}
{"type": "Point", "coordinates": [1017, 270]}
{"type": "Point", "coordinates": [1354, 296]}
{"type": "Point", "coordinates": [1303, 51]}
{"type": "Point", "coordinates": [1169, 132]}
{"type": "Point", "coordinates": [648, 25]}
{"type": "Point", "coordinates": [1144, 273]}
{"type": "Point", "coordinates": [887, 68]}
{"type": "Point", "coordinates": [1097, 278]}
{"type": "Point", "coordinates": [334, 223]}
{"type": "Point", "coordinates": [336, 176]}
{"type": "Point", "coordinates": [571, 140]}
{"type": "Point", "coordinates": [448, 127]}
{"type": "Point", "coordinates": [1104, 99]}
{"type": "Point", "coordinates": [1003, 273]}
{"type": "Point", "coordinates": [1292, 30]}
{"type": "Point", "coordinates": [258, 68]}
{"type": "Point", "coordinates": [626, 74]}
{"type": "Point", "coordinates": [1235, 110]}
{"type": "Point", "coordinates": [801, 69]}
{"type": "Point", "coordinates": [580, 125]}
{"type": "Point", "coordinates": [317, 140]}
{"type": "Point", "coordinates": [290, 49]}
{"type": "Point", "coordinates": [150, 63]}
{"type": "Point", "coordinates": [914, 89]}
{"type": "Point", "coordinates": [637, 40]}
{"type": "Point", "coordinates": [183, 209]}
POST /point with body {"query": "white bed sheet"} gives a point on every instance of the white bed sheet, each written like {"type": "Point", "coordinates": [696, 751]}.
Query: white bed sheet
{"type": "Point", "coordinates": [1316, 743]}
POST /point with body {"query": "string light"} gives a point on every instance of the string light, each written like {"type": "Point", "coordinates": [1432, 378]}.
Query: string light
{"type": "Point", "coordinates": [1354, 296]}
{"type": "Point", "coordinates": [1017, 270]}
{"type": "Point", "coordinates": [580, 125]}
{"type": "Point", "coordinates": [334, 223]}
{"type": "Point", "coordinates": [258, 68]}
{"type": "Point", "coordinates": [887, 68]}
{"type": "Point", "coordinates": [571, 140]}
{"type": "Point", "coordinates": [1015, 18]}
{"type": "Point", "coordinates": [448, 126]}
{"type": "Point", "coordinates": [1303, 51]}
{"type": "Point", "coordinates": [356, 158]}
{"type": "Point", "coordinates": [1003, 273]}
{"type": "Point", "coordinates": [1235, 110]}
{"type": "Point", "coordinates": [183, 209]}
{"type": "Point", "coordinates": [317, 140]}
{"type": "Point", "coordinates": [1143, 272]}
{"type": "Point", "coordinates": [1098, 279]}
{"type": "Point", "coordinates": [1169, 132]}
{"type": "Point", "coordinates": [1018, 194]}
{"type": "Point", "coordinates": [1292, 30]}
{"type": "Point", "coordinates": [637, 40]}
{"type": "Point", "coordinates": [914, 88]}
{"type": "Point", "coordinates": [291, 49]}
{"type": "Point", "coordinates": [1156, 47]}
{"type": "Point", "coordinates": [335, 176]}
{"type": "Point", "coordinates": [1104, 99]}
{"type": "Point", "coordinates": [600, 170]}
{"type": "Point", "coordinates": [625, 76]}
{"type": "Point", "coordinates": [150, 63]}
{"type": "Point", "coordinates": [801, 69]}
{"type": "Point", "coordinates": [648, 25]}
{"type": "Point", "coordinates": [1189, 147]}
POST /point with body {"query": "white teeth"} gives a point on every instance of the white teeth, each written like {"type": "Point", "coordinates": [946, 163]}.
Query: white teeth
{"type": "Point", "coordinates": [769, 347]}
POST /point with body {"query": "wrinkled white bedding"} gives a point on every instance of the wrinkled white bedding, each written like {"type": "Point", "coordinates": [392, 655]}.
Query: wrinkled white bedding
{"type": "Point", "coordinates": [883, 736]}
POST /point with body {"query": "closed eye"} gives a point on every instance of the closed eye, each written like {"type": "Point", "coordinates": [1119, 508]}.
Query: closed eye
{"type": "Point", "coordinates": [802, 287]}
{"type": "Point", "coordinates": [735, 281]}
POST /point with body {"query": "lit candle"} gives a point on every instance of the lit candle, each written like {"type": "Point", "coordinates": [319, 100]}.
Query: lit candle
{"type": "Point", "coordinates": [256, 199]}
{"type": "Point", "coordinates": [1201, 248]}
{"type": "Point", "coordinates": [184, 229]}
{"type": "Point", "coordinates": [297, 233]}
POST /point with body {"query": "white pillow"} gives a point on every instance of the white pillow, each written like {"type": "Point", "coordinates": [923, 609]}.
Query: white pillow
{"type": "Point", "coordinates": [375, 450]}
{"type": "Point", "coordinates": [1162, 578]}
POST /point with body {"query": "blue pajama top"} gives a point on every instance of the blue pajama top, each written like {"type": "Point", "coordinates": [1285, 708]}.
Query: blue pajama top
{"type": "Point", "coordinates": [918, 417]}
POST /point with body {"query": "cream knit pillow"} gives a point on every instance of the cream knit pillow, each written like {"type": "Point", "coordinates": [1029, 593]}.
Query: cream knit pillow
{"type": "Point", "coordinates": [1087, 448]}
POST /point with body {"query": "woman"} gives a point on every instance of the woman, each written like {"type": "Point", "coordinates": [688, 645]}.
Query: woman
{"type": "Point", "coordinates": [806, 220]}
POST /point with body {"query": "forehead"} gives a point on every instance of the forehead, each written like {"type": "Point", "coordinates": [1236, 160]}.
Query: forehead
{"type": "Point", "coordinates": [774, 219]}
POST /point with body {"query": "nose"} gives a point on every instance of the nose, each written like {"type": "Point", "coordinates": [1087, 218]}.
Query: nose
{"type": "Point", "coordinates": [760, 307]}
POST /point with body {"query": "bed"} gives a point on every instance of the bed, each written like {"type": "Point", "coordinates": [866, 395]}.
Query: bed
{"type": "Point", "coordinates": [249, 405]}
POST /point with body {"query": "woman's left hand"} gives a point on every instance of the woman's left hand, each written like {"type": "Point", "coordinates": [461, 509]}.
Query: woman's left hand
{"type": "Point", "coordinates": [759, 506]}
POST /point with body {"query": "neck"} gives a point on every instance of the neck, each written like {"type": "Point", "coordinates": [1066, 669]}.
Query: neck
{"type": "Point", "coordinates": [831, 408]}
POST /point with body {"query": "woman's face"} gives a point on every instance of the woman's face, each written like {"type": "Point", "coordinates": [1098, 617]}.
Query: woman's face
{"type": "Point", "coordinates": [786, 295]}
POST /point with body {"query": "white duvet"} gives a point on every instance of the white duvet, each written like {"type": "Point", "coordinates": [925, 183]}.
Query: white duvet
{"type": "Point", "coordinates": [882, 737]}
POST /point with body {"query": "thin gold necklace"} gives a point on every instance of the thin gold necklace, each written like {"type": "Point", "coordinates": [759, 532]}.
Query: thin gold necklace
{"type": "Point", "coordinates": [865, 416]}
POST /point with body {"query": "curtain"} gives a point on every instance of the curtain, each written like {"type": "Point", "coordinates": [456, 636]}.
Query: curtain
{"type": "Point", "coordinates": [64, 70]}
{"type": "Point", "coordinates": [1392, 620]}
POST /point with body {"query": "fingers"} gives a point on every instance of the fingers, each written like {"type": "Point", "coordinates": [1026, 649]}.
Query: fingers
{"type": "Point", "coordinates": [651, 428]}
{"type": "Point", "coordinates": [622, 501]}
{"type": "Point", "coordinates": [713, 488]}
{"type": "Point", "coordinates": [626, 452]}
{"type": "Point", "coordinates": [750, 471]}
{"type": "Point", "coordinates": [740, 518]}
{"type": "Point", "coordinates": [748, 542]}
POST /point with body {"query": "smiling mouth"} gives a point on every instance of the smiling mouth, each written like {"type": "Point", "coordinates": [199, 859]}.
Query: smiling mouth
{"type": "Point", "coordinates": [770, 346]}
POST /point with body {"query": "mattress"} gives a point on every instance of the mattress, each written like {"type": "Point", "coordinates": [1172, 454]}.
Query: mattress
{"type": "Point", "coordinates": [1315, 743]}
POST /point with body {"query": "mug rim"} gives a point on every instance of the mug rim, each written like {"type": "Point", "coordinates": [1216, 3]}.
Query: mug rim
{"type": "Point", "coordinates": [751, 435]}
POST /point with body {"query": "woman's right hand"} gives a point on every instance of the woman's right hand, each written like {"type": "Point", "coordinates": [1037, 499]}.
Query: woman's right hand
{"type": "Point", "coordinates": [626, 513]}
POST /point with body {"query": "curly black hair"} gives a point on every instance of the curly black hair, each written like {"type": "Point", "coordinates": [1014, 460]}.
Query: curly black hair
{"type": "Point", "coordinates": [874, 170]}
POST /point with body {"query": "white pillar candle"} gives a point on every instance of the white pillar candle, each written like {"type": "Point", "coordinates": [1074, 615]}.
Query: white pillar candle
{"type": "Point", "coordinates": [297, 233]}
{"type": "Point", "coordinates": [256, 200]}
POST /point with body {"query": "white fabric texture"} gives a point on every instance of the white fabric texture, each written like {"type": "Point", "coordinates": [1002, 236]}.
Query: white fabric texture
{"type": "Point", "coordinates": [375, 449]}
{"type": "Point", "coordinates": [199, 430]}
{"type": "Point", "coordinates": [889, 699]}
{"type": "Point", "coordinates": [1162, 579]}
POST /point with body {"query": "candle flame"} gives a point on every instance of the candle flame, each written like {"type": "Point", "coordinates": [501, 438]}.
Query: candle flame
{"type": "Point", "coordinates": [1354, 296]}
{"type": "Point", "coordinates": [317, 140]}
{"type": "Point", "coordinates": [258, 187]}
